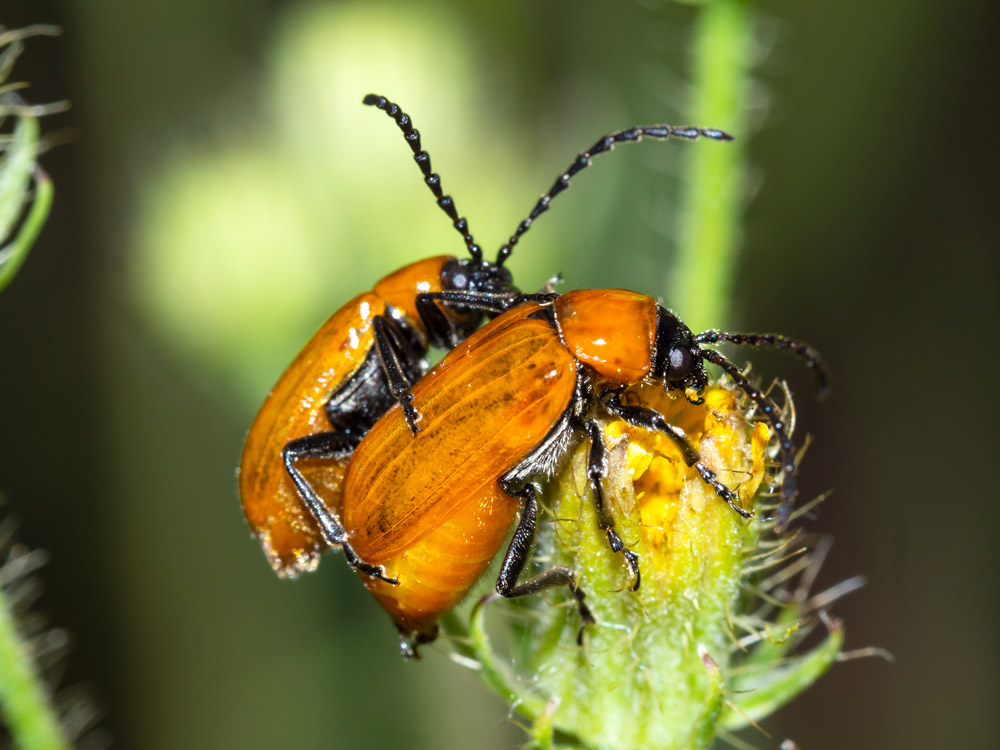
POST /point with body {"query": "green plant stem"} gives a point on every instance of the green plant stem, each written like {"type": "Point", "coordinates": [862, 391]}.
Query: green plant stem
{"type": "Point", "coordinates": [701, 281]}
{"type": "Point", "coordinates": [24, 701]}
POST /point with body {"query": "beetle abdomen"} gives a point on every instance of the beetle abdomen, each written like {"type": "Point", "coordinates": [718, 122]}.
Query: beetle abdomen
{"type": "Point", "coordinates": [437, 571]}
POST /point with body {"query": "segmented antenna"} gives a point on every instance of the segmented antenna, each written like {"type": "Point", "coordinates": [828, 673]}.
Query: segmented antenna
{"type": "Point", "coordinates": [423, 159]}
{"type": "Point", "coordinates": [812, 358]}
{"type": "Point", "coordinates": [607, 143]}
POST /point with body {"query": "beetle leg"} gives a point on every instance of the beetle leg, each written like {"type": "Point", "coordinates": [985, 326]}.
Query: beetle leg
{"type": "Point", "coordinates": [597, 469]}
{"type": "Point", "coordinates": [650, 419]}
{"type": "Point", "coordinates": [319, 446]}
{"type": "Point", "coordinates": [410, 351]}
{"type": "Point", "coordinates": [491, 303]}
{"type": "Point", "coordinates": [372, 571]}
{"type": "Point", "coordinates": [789, 490]}
{"type": "Point", "coordinates": [517, 557]}
{"type": "Point", "coordinates": [387, 347]}
{"type": "Point", "coordinates": [440, 330]}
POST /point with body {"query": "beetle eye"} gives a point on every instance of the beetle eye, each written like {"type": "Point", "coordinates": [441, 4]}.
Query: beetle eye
{"type": "Point", "coordinates": [679, 363]}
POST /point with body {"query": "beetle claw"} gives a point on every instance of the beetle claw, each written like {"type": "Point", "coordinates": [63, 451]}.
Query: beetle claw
{"type": "Point", "coordinates": [632, 559]}
{"type": "Point", "coordinates": [586, 617]}
{"type": "Point", "coordinates": [380, 574]}
{"type": "Point", "coordinates": [372, 571]}
{"type": "Point", "coordinates": [411, 415]}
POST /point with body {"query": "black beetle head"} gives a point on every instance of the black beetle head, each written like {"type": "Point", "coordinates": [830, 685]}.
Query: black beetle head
{"type": "Point", "coordinates": [468, 275]}
{"type": "Point", "coordinates": [677, 363]}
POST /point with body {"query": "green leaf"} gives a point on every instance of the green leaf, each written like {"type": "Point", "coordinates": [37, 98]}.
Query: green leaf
{"type": "Point", "coordinates": [772, 686]}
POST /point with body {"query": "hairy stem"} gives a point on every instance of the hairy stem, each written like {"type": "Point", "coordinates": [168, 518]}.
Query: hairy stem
{"type": "Point", "coordinates": [701, 281]}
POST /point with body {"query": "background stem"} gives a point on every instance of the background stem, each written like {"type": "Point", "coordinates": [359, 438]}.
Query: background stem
{"type": "Point", "coordinates": [712, 200]}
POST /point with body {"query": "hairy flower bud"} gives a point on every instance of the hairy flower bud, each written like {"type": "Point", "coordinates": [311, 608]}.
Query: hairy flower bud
{"type": "Point", "coordinates": [662, 666]}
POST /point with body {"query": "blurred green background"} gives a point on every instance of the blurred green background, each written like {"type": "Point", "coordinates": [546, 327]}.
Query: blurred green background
{"type": "Point", "coordinates": [222, 190]}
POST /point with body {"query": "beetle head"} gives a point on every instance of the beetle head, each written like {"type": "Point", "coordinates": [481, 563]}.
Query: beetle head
{"type": "Point", "coordinates": [677, 363]}
{"type": "Point", "coordinates": [470, 275]}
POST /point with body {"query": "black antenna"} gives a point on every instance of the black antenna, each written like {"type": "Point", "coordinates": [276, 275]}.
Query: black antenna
{"type": "Point", "coordinates": [813, 359]}
{"type": "Point", "coordinates": [423, 159]}
{"type": "Point", "coordinates": [607, 143]}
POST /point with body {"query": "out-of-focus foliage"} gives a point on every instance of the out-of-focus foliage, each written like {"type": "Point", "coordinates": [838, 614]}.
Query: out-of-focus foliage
{"type": "Point", "coordinates": [19, 147]}
{"type": "Point", "coordinates": [28, 714]}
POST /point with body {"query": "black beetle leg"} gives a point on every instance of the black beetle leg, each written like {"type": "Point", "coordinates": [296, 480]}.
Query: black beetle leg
{"type": "Point", "coordinates": [789, 489]}
{"type": "Point", "coordinates": [490, 303]}
{"type": "Point", "coordinates": [517, 557]}
{"type": "Point", "coordinates": [650, 419]}
{"type": "Point", "coordinates": [387, 348]}
{"type": "Point", "coordinates": [326, 445]}
{"type": "Point", "coordinates": [441, 332]}
{"type": "Point", "coordinates": [597, 469]}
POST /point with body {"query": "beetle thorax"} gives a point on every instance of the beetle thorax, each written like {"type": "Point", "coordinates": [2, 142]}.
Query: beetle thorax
{"type": "Point", "coordinates": [612, 331]}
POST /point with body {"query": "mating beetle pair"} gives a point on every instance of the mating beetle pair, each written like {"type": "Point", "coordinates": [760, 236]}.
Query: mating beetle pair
{"type": "Point", "coordinates": [420, 478]}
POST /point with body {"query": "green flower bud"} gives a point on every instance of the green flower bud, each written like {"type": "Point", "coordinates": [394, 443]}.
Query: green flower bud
{"type": "Point", "coordinates": [689, 654]}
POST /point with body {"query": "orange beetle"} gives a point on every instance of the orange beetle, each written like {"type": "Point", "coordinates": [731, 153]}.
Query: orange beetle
{"type": "Point", "coordinates": [361, 361]}
{"type": "Point", "coordinates": [364, 359]}
{"type": "Point", "coordinates": [430, 511]}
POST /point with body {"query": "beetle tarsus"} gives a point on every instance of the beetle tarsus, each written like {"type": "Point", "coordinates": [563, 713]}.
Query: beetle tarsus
{"type": "Point", "coordinates": [586, 616]}
{"type": "Point", "coordinates": [372, 571]}
{"type": "Point", "coordinates": [722, 490]}
{"type": "Point", "coordinates": [410, 413]}
{"type": "Point", "coordinates": [633, 563]}
{"type": "Point", "coordinates": [631, 558]}
{"type": "Point", "coordinates": [783, 516]}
